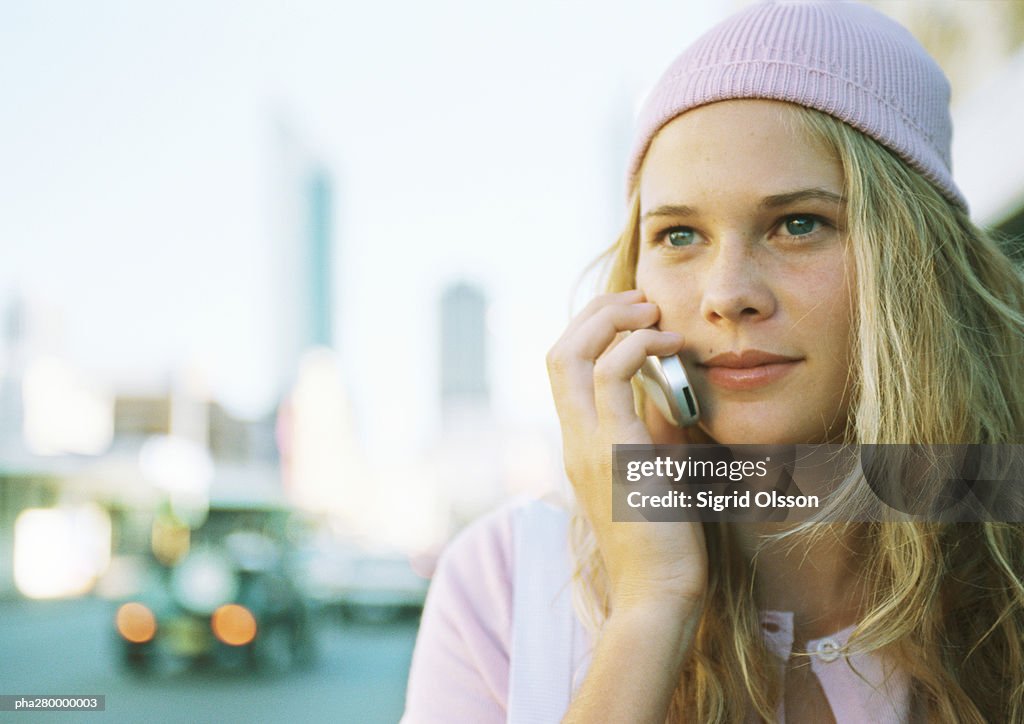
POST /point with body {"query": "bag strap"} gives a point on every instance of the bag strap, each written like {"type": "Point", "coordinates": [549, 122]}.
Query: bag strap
{"type": "Point", "coordinates": [543, 622]}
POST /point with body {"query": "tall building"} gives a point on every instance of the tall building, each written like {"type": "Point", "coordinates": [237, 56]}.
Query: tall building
{"type": "Point", "coordinates": [303, 208]}
{"type": "Point", "coordinates": [12, 368]}
{"type": "Point", "coordinates": [322, 464]}
{"type": "Point", "coordinates": [468, 453]}
{"type": "Point", "coordinates": [318, 257]}
{"type": "Point", "coordinates": [464, 387]}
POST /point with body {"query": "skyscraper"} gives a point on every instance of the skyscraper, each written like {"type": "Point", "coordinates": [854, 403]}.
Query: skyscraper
{"type": "Point", "coordinates": [318, 257]}
{"type": "Point", "coordinates": [464, 387]}
{"type": "Point", "coordinates": [303, 196]}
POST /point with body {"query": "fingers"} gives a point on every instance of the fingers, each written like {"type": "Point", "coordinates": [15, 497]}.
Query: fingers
{"type": "Point", "coordinates": [613, 395]}
{"type": "Point", "coordinates": [631, 296]}
{"type": "Point", "coordinates": [590, 368]}
{"type": "Point", "coordinates": [571, 361]}
{"type": "Point", "coordinates": [598, 332]}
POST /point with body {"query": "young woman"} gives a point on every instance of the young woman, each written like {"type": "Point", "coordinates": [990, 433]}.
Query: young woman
{"type": "Point", "coordinates": [796, 237]}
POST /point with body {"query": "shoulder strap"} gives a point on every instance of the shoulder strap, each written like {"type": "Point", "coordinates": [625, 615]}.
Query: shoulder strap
{"type": "Point", "coordinates": [540, 676]}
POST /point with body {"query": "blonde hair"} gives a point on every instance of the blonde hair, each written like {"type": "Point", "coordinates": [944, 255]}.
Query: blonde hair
{"type": "Point", "coordinates": [938, 341]}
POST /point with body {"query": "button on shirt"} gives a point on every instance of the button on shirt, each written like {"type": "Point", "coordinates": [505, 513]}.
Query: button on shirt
{"type": "Point", "coordinates": [460, 668]}
{"type": "Point", "coordinates": [859, 687]}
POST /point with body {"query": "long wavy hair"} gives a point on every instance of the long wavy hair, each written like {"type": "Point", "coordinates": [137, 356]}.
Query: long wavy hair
{"type": "Point", "coordinates": [938, 358]}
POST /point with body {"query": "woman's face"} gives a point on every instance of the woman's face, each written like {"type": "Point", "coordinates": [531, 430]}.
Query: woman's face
{"type": "Point", "coordinates": [741, 247]}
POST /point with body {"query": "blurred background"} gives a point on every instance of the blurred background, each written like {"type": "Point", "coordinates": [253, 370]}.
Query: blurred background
{"type": "Point", "coordinates": [276, 289]}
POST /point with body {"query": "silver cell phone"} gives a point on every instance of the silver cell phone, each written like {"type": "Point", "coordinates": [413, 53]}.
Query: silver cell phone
{"type": "Point", "coordinates": [665, 381]}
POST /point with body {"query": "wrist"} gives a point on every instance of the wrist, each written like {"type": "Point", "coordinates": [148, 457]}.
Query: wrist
{"type": "Point", "coordinates": [662, 603]}
{"type": "Point", "coordinates": [673, 619]}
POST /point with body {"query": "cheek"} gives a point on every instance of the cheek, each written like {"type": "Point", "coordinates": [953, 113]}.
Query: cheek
{"type": "Point", "coordinates": [668, 288]}
{"type": "Point", "coordinates": [828, 315]}
{"type": "Point", "coordinates": [838, 306]}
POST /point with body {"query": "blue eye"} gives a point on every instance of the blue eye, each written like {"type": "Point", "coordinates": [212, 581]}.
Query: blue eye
{"type": "Point", "coordinates": [680, 236]}
{"type": "Point", "coordinates": [801, 225]}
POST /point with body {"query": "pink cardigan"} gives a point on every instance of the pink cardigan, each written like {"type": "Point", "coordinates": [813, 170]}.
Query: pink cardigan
{"type": "Point", "coordinates": [461, 664]}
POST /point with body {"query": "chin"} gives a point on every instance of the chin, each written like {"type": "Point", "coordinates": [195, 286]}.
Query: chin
{"type": "Point", "coordinates": [751, 430]}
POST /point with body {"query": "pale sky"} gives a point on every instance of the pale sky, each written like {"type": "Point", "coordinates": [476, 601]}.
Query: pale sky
{"type": "Point", "coordinates": [473, 140]}
{"type": "Point", "coordinates": [467, 140]}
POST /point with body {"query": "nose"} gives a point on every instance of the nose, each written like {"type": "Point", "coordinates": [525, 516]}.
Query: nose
{"type": "Point", "coordinates": [734, 285]}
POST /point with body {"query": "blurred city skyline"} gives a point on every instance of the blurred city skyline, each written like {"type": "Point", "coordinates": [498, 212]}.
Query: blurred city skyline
{"type": "Point", "coordinates": [146, 150]}
{"type": "Point", "coordinates": [303, 261]}
{"type": "Point", "coordinates": [143, 191]}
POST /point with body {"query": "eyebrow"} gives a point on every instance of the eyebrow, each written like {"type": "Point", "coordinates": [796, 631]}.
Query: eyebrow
{"type": "Point", "coordinates": [773, 202]}
{"type": "Point", "coordinates": [768, 202]}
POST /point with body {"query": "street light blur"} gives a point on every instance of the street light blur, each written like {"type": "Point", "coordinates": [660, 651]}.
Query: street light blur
{"type": "Point", "coordinates": [60, 552]}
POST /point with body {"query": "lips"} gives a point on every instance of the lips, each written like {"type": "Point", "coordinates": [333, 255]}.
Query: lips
{"type": "Point", "coordinates": [749, 369]}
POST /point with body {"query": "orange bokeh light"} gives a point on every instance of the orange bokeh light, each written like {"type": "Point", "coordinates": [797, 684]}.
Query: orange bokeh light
{"type": "Point", "coordinates": [233, 624]}
{"type": "Point", "coordinates": [136, 623]}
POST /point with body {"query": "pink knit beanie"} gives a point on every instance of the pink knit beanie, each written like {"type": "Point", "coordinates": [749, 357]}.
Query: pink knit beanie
{"type": "Point", "coordinates": [841, 58]}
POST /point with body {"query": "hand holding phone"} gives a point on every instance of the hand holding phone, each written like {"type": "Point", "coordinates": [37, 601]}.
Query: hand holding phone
{"type": "Point", "coordinates": [665, 382]}
{"type": "Point", "coordinates": [591, 368]}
